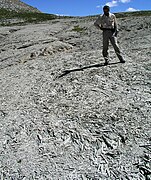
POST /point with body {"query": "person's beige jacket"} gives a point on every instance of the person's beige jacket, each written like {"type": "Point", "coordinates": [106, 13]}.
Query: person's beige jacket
{"type": "Point", "coordinates": [106, 22]}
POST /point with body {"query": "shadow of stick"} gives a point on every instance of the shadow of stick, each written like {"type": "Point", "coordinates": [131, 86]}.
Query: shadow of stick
{"type": "Point", "coordinates": [65, 72]}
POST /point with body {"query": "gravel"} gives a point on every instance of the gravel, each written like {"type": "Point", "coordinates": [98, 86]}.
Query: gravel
{"type": "Point", "coordinates": [63, 114]}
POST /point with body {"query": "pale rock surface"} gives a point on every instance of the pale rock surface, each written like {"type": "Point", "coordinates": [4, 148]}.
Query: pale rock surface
{"type": "Point", "coordinates": [16, 5]}
{"type": "Point", "coordinates": [63, 115]}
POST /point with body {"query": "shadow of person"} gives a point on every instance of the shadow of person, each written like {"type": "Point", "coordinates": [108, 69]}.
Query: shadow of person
{"type": "Point", "coordinates": [65, 72]}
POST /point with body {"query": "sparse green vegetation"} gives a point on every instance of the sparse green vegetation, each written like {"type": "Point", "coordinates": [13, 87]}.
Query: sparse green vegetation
{"type": "Point", "coordinates": [130, 14]}
{"type": "Point", "coordinates": [27, 17]}
{"type": "Point", "coordinates": [78, 28]}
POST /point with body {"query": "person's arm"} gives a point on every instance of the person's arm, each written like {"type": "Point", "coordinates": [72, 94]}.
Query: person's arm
{"type": "Point", "coordinates": [115, 23]}
{"type": "Point", "coordinates": [115, 26]}
{"type": "Point", "coordinates": [97, 23]}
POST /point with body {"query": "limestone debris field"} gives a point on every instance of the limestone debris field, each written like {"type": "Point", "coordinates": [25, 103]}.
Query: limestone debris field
{"type": "Point", "coordinates": [63, 114]}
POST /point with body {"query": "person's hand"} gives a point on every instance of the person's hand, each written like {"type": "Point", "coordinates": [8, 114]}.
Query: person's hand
{"type": "Point", "coordinates": [98, 27]}
{"type": "Point", "coordinates": [116, 32]}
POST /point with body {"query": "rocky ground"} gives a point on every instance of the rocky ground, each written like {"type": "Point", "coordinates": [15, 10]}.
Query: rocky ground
{"type": "Point", "coordinates": [17, 5]}
{"type": "Point", "coordinates": [63, 114]}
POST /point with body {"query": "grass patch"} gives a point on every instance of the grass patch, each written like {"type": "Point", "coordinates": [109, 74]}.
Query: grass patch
{"type": "Point", "coordinates": [24, 17]}
{"type": "Point", "coordinates": [133, 14]}
{"type": "Point", "coordinates": [27, 17]}
{"type": "Point", "coordinates": [78, 29]}
{"type": "Point", "coordinates": [128, 14]}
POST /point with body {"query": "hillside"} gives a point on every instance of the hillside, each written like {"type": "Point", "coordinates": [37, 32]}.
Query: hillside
{"type": "Point", "coordinates": [16, 5]}
{"type": "Point", "coordinates": [63, 114]}
{"type": "Point", "coordinates": [11, 18]}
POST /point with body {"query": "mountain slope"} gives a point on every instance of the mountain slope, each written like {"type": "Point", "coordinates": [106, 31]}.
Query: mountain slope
{"type": "Point", "coordinates": [63, 114]}
{"type": "Point", "coordinates": [16, 5]}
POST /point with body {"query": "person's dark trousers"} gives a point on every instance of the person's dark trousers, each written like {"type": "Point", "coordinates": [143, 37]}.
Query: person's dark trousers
{"type": "Point", "coordinates": [108, 36]}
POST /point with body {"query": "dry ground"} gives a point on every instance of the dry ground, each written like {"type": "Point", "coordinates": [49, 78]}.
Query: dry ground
{"type": "Point", "coordinates": [63, 115]}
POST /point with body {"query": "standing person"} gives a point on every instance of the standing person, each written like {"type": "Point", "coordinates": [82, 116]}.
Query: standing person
{"type": "Point", "coordinates": [108, 24]}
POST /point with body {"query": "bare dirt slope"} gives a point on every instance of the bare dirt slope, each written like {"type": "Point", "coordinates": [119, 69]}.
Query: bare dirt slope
{"type": "Point", "coordinates": [63, 115]}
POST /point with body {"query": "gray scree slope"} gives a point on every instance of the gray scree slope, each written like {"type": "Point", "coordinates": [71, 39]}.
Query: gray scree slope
{"type": "Point", "coordinates": [16, 5]}
{"type": "Point", "coordinates": [63, 115]}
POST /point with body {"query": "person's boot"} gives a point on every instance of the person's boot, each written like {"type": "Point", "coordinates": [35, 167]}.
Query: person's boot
{"type": "Point", "coordinates": [106, 62]}
{"type": "Point", "coordinates": [122, 60]}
